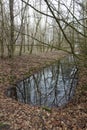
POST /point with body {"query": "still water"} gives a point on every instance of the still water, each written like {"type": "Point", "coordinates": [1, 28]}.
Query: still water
{"type": "Point", "coordinates": [52, 87]}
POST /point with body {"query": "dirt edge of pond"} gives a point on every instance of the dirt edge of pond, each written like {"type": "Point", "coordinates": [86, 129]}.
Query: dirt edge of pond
{"type": "Point", "coordinates": [25, 117]}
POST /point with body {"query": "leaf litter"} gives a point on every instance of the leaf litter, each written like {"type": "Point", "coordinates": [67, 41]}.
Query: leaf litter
{"type": "Point", "coordinates": [21, 116]}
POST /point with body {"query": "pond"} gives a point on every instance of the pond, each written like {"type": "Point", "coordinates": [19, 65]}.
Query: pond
{"type": "Point", "coordinates": [51, 87]}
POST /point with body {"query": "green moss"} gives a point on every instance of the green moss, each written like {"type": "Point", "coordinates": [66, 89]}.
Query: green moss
{"type": "Point", "coordinates": [1, 124]}
{"type": "Point", "coordinates": [4, 126]}
{"type": "Point", "coordinates": [84, 87]}
{"type": "Point", "coordinates": [47, 109]}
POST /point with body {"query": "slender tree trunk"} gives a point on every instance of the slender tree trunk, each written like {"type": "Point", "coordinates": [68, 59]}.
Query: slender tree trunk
{"type": "Point", "coordinates": [59, 31]}
{"type": "Point", "coordinates": [73, 34]}
{"type": "Point", "coordinates": [2, 31]}
{"type": "Point", "coordinates": [24, 40]}
{"type": "Point", "coordinates": [28, 36]}
{"type": "Point", "coordinates": [11, 5]}
{"type": "Point", "coordinates": [22, 29]}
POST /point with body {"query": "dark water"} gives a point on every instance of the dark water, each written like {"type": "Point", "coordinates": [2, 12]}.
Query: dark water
{"type": "Point", "coordinates": [52, 86]}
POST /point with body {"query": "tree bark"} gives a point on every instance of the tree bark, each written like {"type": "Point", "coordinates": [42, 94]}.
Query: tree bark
{"type": "Point", "coordinates": [11, 45]}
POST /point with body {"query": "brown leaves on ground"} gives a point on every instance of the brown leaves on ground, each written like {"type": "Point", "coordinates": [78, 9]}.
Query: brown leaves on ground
{"type": "Point", "coordinates": [21, 116]}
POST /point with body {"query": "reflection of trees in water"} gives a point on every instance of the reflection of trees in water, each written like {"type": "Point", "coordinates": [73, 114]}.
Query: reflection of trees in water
{"type": "Point", "coordinates": [52, 86]}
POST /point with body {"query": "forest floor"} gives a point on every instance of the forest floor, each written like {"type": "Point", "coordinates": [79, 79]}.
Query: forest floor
{"type": "Point", "coordinates": [18, 116]}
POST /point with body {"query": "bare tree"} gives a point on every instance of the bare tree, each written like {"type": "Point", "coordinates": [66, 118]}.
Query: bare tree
{"type": "Point", "coordinates": [2, 28]}
{"type": "Point", "coordinates": [11, 6]}
{"type": "Point", "coordinates": [32, 32]}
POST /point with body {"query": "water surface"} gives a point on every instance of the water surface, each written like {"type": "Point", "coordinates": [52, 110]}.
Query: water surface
{"type": "Point", "coordinates": [52, 87]}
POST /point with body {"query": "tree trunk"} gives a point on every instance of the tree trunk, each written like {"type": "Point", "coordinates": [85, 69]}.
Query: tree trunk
{"type": "Point", "coordinates": [11, 5]}
{"type": "Point", "coordinates": [2, 33]}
